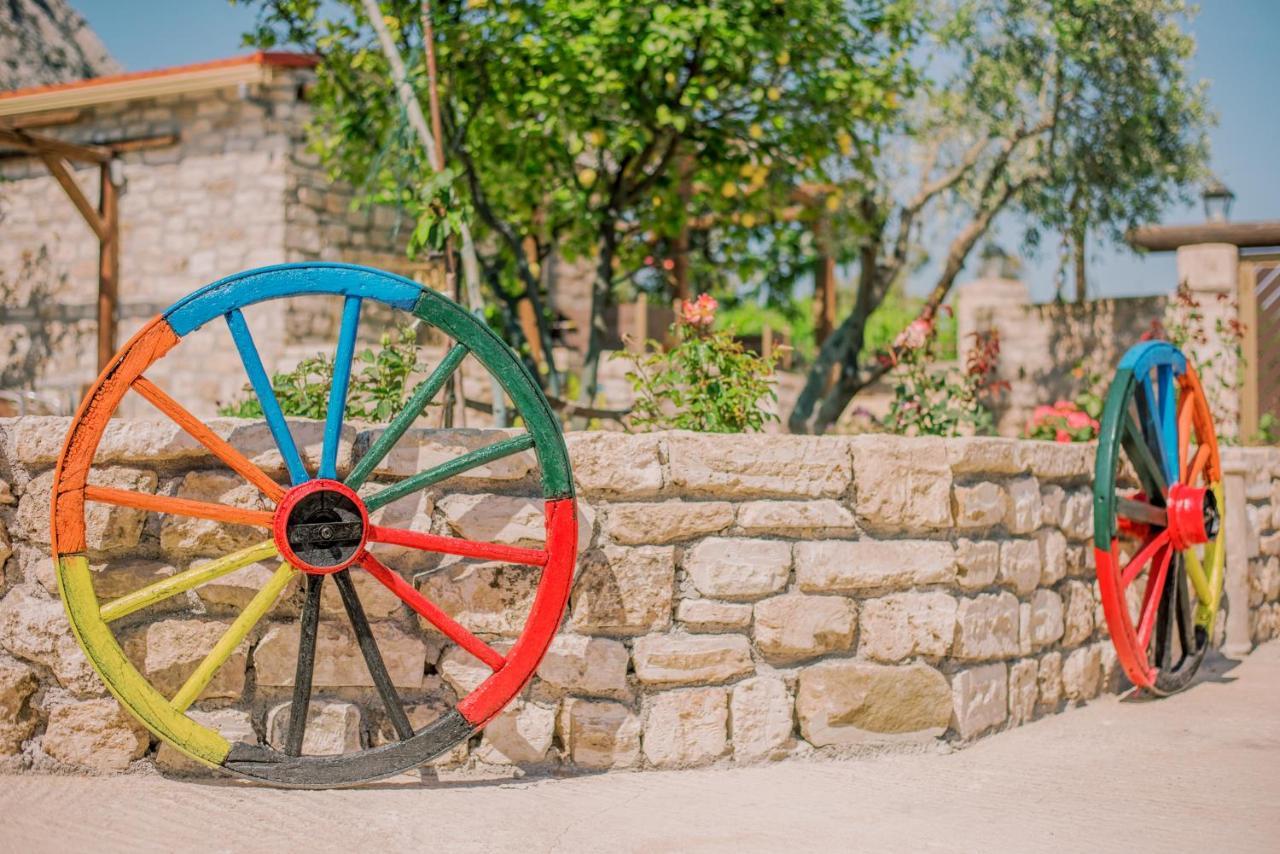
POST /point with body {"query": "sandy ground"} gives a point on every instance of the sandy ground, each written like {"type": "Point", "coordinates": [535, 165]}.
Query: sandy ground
{"type": "Point", "coordinates": [1197, 771]}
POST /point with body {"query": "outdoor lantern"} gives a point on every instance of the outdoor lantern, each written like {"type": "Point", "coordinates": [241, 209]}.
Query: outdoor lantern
{"type": "Point", "coordinates": [1217, 200]}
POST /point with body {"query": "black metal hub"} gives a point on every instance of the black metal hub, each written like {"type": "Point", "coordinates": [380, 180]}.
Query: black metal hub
{"type": "Point", "coordinates": [1212, 518]}
{"type": "Point", "coordinates": [325, 529]}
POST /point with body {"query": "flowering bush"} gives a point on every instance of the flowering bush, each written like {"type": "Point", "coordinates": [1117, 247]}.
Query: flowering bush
{"type": "Point", "coordinates": [706, 381]}
{"type": "Point", "coordinates": [1062, 422]}
{"type": "Point", "coordinates": [930, 402]}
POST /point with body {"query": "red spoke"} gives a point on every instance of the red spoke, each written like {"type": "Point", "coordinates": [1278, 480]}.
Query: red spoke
{"type": "Point", "coordinates": [1134, 567]}
{"type": "Point", "coordinates": [457, 546]}
{"type": "Point", "coordinates": [1151, 598]}
{"type": "Point", "coordinates": [408, 594]}
{"type": "Point", "coordinates": [179, 506]}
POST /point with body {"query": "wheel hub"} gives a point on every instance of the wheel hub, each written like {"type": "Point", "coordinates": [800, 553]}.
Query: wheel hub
{"type": "Point", "coordinates": [321, 527]}
{"type": "Point", "coordinates": [1194, 517]}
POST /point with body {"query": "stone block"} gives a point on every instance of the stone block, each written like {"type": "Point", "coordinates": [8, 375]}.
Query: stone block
{"type": "Point", "coordinates": [986, 627]}
{"type": "Point", "coordinates": [230, 594]}
{"type": "Point", "coordinates": [594, 667]}
{"type": "Point", "coordinates": [759, 465]}
{"type": "Point", "coordinates": [18, 682]}
{"type": "Point", "coordinates": [167, 651]}
{"type": "Point", "coordinates": [420, 449]}
{"type": "Point", "coordinates": [615, 464]}
{"type": "Point", "coordinates": [856, 566]}
{"type": "Point", "coordinates": [1077, 515]}
{"type": "Point", "coordinates": [1049, 679]}
{"type": "Point", "coordinates": [96, 735]}
{"type": "Point", "coordinates": [666, 521]}
{"type": "Point", "coordinates": [901, 485]}
{"type": "Point", "coordinates": [187, 536]}
{"type": "Point", "coordinates": [339, 662]}
{"type": "Point", "coordinates": [599, 735]}
{"type": "Point", "coordinates": [1023, 691]}
{"type": "Point", "coordinates": [1023, 514]}
{"type": "Point", "coordinates": [1078, 617]}
{"type": "Point", "coordinates": [486, 598]}
{"type": "Point", "coordinates": [1082, 673]}
{"type": "Point", "coordinates": [1053, 556]}
{"type": "Point", "coordinates": [108, 528]}
{"type": "Point", "coordinates": [35, 627]}
{"type": "Point", "coordinates": [1053, 499]}
{"type": "Point", "coordinates": [665, 660]}
{"type": "Point", "coordinates": [970, 455]}
{"type": "Point", "coordinates": [821, 518]}
{"type": "Point", "coordinates": [796, 626]}
{"type": "Point", "coordinates": [1057, 460]}
{"type": "Point", "coordinates": [1020, 565]}
{"type": "Point", "coordinates": [1046, 619]}
{"type": "Point", "coordinates": [519, 734]}
{"type": "Point", "coordinates": [762, 717]}
{"type": "Point", "coordinates": [624, 591]}
{"type": "Point", "coordinates": [686, 728]}
{"type": "Point", "coordinates": [332, 727]}
{"type": "Point", "coordinates": [901, 625]}
{"type": "Point", "coordinates": [848, 702]}
{"type": "Point", "coordinates": [738, 569]}
{"type": "Point", "coordinates": [977, 563]}
{"type": "Point", "coordinates": [981, 505]}
{"type": "Point", "coordinates": [710, 615]}
{"type": "Point", "coordinates": [981, 700]}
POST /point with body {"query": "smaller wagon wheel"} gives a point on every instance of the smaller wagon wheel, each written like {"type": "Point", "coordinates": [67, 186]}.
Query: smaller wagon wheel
{"type": "Point", "coordinates": [1160, 551]}
{"type": "Point", "coordinates": [319, 528]}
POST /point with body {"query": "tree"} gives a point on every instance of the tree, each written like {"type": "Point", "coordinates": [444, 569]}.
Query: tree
{"type": "Point", "coordinates": [1076, 114]}
{"type": "Point", "coordinates": [599, 128]}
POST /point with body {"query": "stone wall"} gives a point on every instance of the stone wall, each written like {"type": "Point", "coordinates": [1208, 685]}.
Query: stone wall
{"type": "Point", "coordinates": [737, 599]}
{"type": "Point", "coordinates": [239, 190]}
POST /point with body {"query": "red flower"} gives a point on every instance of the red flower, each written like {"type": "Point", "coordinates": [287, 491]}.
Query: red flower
{"type": "Point", "coordinates": [699, 312]}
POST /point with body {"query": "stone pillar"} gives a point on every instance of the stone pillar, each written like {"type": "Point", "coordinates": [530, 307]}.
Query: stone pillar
{"type": "Point", "coordinates": [1210, 272]}
{"type": "Point", "coordinates": [976, 301]}
{"type": "Point", "coordinates": [1238, 640]}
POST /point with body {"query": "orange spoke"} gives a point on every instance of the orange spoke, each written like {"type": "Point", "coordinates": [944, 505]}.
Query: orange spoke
{"type": "Point", "coordinates": [451, 628]}
{"type": "Point", "coordinates": [457, 546]}
{"type": "Point", "coordinates": [1151, 598]}
{"type": "Point", "coordinates": [1197, 465]}
{"type": "Point", "coordinates": [199, 431]}
{"type": "Point", "coordinates": [1134, 568]}
{"type": "Point", "coordinates": [1185, 412]}
{"type": "Point", "coordinates": [179, 506]}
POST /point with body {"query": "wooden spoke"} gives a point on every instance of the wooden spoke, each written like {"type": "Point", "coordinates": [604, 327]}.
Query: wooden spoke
{"type": "Point", "coordinates": [186, 580]}
{"type": "Point", "coordinates": [249, 617]}
{"type": "Point", "coordinates": [422, 396]}
{"type": "Point", "coordinates": [266, 396]}
{"type": "Point", "coordinates": [457, 546]}
{"type": "Point", "coordinates": [179, 506]}
{"type": "Point", "coordinates": [1166, 617]}
{"type": "Point", "coordinates": [432, 613]}
{"type": "Point", "coordinates": [338, 388]}
{"type": "Point", "coordinates": [1186, 624]}
{"type": "Point", "coordinates": [305, 669]}
{"type": "Point", "coordinates": [1142, 511]}
{"type": "Point", "coordinates": [1150, 474]}
{"type": "Point", "coordinates": [372, 657]}
{"type": "Point", "coordinates": [1196, 469]}
{"type": "Point", "coordinates": [1134, 568]}
{"type": "Point", "coordinates": [220, 448]}
{"type": "Point", "coordinates": [1152, 597]}
{"type": "Point", "coordinates": [467, 461]}
{"type": "Point", "coordinates": [1186, 415]}
{"type": "Point", "coordinates": [1196, 574]}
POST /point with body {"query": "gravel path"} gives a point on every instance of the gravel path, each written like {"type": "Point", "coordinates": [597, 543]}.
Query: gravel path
{"type": "Point", "coordinates": [1197, 771]}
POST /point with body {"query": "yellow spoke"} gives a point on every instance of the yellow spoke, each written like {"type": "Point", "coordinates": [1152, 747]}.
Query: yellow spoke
{"type": "Point", "coordinates": [183, 581]}
{"type": "Point", "coordinates": [1195, 571]}
{"type": "Point", "coordinates": [249, 617]}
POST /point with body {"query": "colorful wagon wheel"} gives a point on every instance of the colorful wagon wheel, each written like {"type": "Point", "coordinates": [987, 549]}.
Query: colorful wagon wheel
{"type": "Point", "coordinates": [1159, 546]}
{"type": "Point", "coordinates": [320, 528]}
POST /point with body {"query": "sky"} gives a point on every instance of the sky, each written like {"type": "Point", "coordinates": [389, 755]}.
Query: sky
{"type": "Point", "coordinates": [1236, 54]}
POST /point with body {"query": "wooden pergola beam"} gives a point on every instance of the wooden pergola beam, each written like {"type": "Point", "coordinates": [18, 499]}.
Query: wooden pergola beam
{"type": "Point", "coordinates": [1166, 238]}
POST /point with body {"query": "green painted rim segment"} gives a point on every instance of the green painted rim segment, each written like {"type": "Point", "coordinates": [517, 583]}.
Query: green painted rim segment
{"type": "Point", "coordinates": [135, 693]}
{"type": "Point", "coordinates": [501, 361]}
{"type": "Point", "coordinates": [1114, 414]}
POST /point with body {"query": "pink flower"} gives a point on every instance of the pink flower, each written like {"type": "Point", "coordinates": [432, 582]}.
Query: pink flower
{"type": "Point", "coordinates": [1064, 405]}
{"type": "Point", "coordinates": [914, 336]}
{"type": "Point", "coordinates": [699, 312]}
{"type": "Point", "coordinates": [1062, 436]}
{"type": "Point", "coordinates": [1078, 419]}
{"type": "Point", "coordinates": [1042, 412]}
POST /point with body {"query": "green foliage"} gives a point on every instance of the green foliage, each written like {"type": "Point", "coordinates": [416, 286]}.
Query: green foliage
{"type": "Point", "coordinates": [378, 389]}
{"type": "Point", "coordinates": [1268, 430]}
{"type": "Point", "coordinates": [748, 318]}
{"type": "Point", "coordinates": [705, 382]}
{"type": "Point", "coordinates": [928, 401]}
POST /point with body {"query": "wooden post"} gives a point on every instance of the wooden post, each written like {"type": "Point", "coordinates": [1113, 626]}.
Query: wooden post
{"type": "Point", "coordinates": [639, 323]}
{"type": "Point", "coordinates": [1247, 300]}
{"type": "Point", "coordinates": [108, 264]}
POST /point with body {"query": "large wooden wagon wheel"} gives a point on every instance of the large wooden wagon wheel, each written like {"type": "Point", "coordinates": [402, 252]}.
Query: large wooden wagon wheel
{"type": "Point", "coordinates": [1157, 419]}
{"type": "Point", "coordinates": [320, 526]}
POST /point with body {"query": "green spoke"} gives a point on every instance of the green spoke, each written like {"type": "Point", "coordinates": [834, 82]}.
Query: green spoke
{"type": "Point", "coordinates": [467, 461]}
{"type": "Point", "coordinates": [1149, 471]}
{"type": "Point", "coordinates": [422, 396]}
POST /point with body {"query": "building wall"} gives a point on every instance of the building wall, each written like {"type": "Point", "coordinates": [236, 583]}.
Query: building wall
{"type": "Point", "coordinates": [239, 190]}
{"type": "Point", "coordinates": [737, 598]}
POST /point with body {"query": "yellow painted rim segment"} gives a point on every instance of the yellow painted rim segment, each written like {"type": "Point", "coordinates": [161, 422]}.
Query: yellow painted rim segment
{"type": "Point", "coordinates": [249, 617]}
{"type": "Point", "coordinates": [129, 687]}
{"type": "Point", "coordinates": [183, 581]}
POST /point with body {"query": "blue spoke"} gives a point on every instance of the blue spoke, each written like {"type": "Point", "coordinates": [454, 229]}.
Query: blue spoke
{"type": "Point", "coordinates": [266, 396]}
{"type": "Point", "coordinates": [1148, 413]}
{"type": "Point", "coordinates": [338, 388]}
{"type": "Point", "coordinates": [1168, 419]}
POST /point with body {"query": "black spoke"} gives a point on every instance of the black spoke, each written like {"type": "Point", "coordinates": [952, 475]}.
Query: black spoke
{"type": "Point", "coordinates": [306, 666]}
{"type": "Point", "coordinates": [1185, 622]}
{"type": "Point", "coordinates": [373, 658]}
{"type": "Point", "coordinates": [1165, 619]}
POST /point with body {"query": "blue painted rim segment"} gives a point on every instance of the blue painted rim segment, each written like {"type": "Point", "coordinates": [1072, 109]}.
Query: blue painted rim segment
{"type": "Point", "coordinates": [1158, 411]}
{"type": "Point", "coordinates": [342, 359]}
{"type": "Point", "coordinates": [284, 280]}
{"type": "Point", "coordinates": [266, 396]}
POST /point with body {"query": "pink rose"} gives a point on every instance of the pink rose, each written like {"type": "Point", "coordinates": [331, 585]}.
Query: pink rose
{"type": "Point", "coordinates": [1062, 436]}
{"type": "Point", "coordinates": [1078, 419]}
{"type": "Point", "coordinates": [699, 312]}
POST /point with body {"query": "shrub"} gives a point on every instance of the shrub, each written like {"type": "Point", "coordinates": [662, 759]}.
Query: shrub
{"type": "Point", "coordinates": [1062, 422]}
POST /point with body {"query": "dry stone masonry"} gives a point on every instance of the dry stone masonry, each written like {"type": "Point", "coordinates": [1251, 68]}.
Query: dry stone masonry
{"type": "Point", "coordinates": [738, 598]}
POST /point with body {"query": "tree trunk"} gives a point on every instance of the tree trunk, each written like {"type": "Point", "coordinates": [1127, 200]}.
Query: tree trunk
{"type": "Point", "coordinates": [601, 293]}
